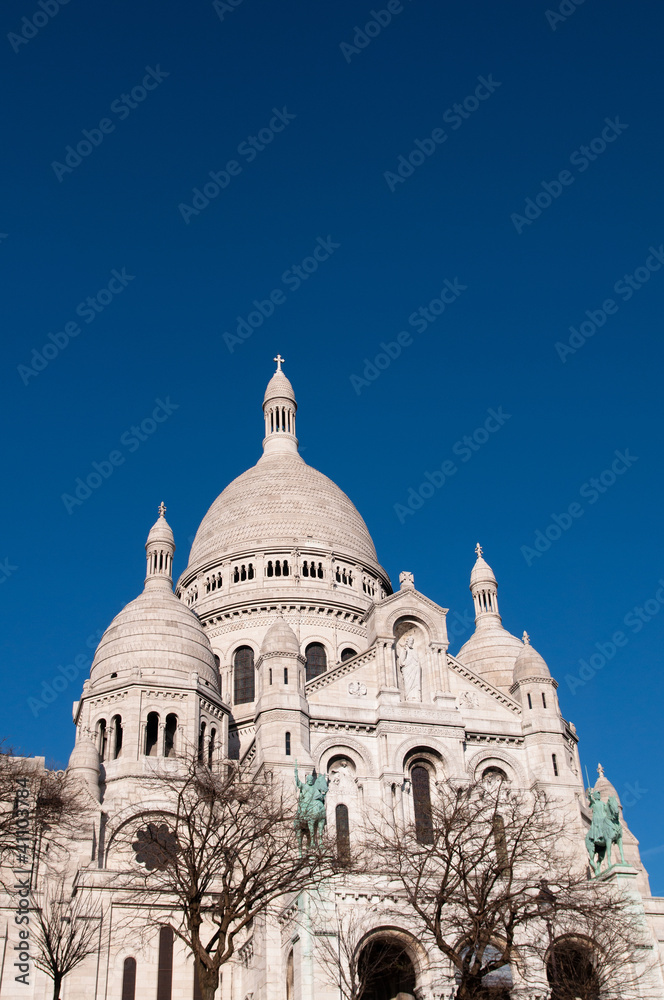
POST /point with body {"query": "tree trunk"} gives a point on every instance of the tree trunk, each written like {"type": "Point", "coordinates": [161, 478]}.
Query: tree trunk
{"type": "Point", "coordinates": [57, 983]}
{"type": "Point", "coordinates": [208, 980]}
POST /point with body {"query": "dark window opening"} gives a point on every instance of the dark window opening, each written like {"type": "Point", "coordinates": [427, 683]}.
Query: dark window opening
{"type": "Point", "coordinates": [102, 738]}
{"type": "Point", "coordinates": [116, 727]}
{"type": "Point", "coordinates": [129, 979]}
{"type": "Point", "coordinates": [543, 700]}
{"type": "Point", "coordinates": [151, 734]}
{"type": "Point", "coordinates": [347, 654]}
{"type": "Point", "coordinates": [316, 660]}
{"type": "Point", "coordinates": [287, 744]}
{"type": "Point", "coordinates": [243, 676]}
{"type": "Point", "coordinates": [554, 761]}
{"type": "Point", "coordinates": [201, 742]}
{"type": "Point", "coordinates": [285, 675]}
{"type": "Point", "coordinates": [169, 735]}
{"type": "Point", "coordinates": [270, 568]}
{"type": "Point", "coordinates": [530, 701]}
{"type": "Point", "coordinates": [212, 746]}
{"type": "Point", "coordinates": [165, 966]}
{"type": "Point", "coordinates": [419, 777]}
{"type": "Point", "coordinates": [386, 971]}
{"type": "Point", "coordinates": [500, 842]}
{"type": "Point", "coordinates": [343, 833]}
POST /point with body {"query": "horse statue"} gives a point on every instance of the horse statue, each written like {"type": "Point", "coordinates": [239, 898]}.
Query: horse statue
{"type": "Point", "coordinates": [605, 830]}
{"type": "Point", "coordinates": [310, 818]}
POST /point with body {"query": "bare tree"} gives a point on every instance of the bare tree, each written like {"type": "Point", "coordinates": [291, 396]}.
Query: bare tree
{"type": "Point", "coordinates": [66, 930]}
{"type": "Point", "coordinates": [34, 803]}
{"type": "Point", "coordinates": [472, 878]}
{"type": "Point", "coordinates": [223, 849]}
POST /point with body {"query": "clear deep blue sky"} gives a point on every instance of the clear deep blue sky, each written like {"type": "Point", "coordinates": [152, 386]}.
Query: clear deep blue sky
{"type": "Point", "coordinates": [217, 76]}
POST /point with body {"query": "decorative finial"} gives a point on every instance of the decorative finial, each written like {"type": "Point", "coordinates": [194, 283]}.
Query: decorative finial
{"type": "Point", "coordinates": [279, 361]}
{"type": "Point", "coordinates": [600, 770]}
{"type": "Point", "coordinates": [526, 639]}
{"type": "Point", "coordinates": [479, 550]}
{"type": "Point", "coordinates": [162, 509]}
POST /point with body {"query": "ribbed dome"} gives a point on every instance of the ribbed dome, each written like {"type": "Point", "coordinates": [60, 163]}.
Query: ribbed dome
{"type": "Point", "coordinates": [279, 387]}
{"type": "Point", "coordinates": [481, 573]}
{"type": "Point", "coordinates": [282, 501]}
{"type": "Point", "coordinates": [158, 635]}
{"type": "Point", "coordinates": [529, 664]}
{"type": "Point", "coordinates": [491, 652]}
{"type": "Point", "coordinates": [280, 638]}
{"type": "Point", "coordinates": [84, 756]}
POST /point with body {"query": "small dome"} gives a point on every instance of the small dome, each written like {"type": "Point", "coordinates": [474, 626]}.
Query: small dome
{"type": "Point", "coordinates": [491, 652]}
{"type": "Point", "coordinates": [159, 636]}
{"type": "Point", "coordinates": [161, 531]}
{"type": "Point", "coordinates": [280, 638]}
{"type": "Point", "coordinates": [84, 756]}
{"type": "Point", "coordinates": [605, 788]}
{"type": "Point", "coordinates": [529, 664]}
{"type": "Point", "coordinates": [279, 387]}
{"type": "Point", "coordinates": [482, 573]}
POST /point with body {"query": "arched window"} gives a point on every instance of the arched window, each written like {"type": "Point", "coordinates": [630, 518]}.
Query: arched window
{"type": "Point", "coordinates": [290, 977]}
{"type": "Point", "coordinates": [571, 971]}
{"type": "Point", "coordinates": [491, 774]}
{"type": "Point", "coordinates": [554, 761]}
{"type": "Point", "coordinates": [102, 738]}
{"type": "Point", "coordinates": [243, 675]}
{"type": "Point", "coordinates": [201, 742]}
{"type": "Point", "coordinates": [129, 979]}
{"type": "Point", "coordinates": [116, 736]}
{"type": "Point", "coordinates": [212, 746]}
{"type": "Point", "coordinates": [169, 735]}
{"type": "Point", "coordinates": [165, 966]}
{"type": "Point", "coordinates": [347, 654]}
{"type": "Point", "coordinates": [287, 744]}
{"type": "Point", "coordinates": [151, 735]}
{"type": "Point", "coordinates": [543, 700]}
{"type": "Point", "coordinates": [316, 660]}
{"type": "Point", "coordinates": [500, 842]}
{"type": "Point", "coordinates": [419, 777]}
{"type": "Point", "coordinates": [343, 832]}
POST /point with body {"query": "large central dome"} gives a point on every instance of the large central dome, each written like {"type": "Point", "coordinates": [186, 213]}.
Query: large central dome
{"type": "Point", "coordinates": [282, 501]}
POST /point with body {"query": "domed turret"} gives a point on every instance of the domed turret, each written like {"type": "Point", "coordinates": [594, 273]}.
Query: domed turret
{"type": "Point", "coordinates": [155, 635]}
{"type": "Point", "coordinates": [280, 638]}
{"type": "Point", "coordinates": [491, 650]}
{"type": "Point", "coordinates": [279, 408]}
{"type": "Point", "coordinates": [529, 664]}
{"type": "Point", "coordinates": [84, 764]}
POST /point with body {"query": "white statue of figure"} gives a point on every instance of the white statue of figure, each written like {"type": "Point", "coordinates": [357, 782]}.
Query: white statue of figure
{"type": "Point", "coordinates": [411, 671]}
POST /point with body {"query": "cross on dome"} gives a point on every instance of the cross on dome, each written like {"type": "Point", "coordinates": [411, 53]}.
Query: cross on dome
{"type": "Point", "coordinates": [479, 550]}
{"type": "Point", "coordinates": [600, 770]}
{"type": "Point", "coordinates": [526, 639]}
{"type": "Point", "coordinates": [279, 361]}
{"type": "Point", "coordinates": [162, 509]}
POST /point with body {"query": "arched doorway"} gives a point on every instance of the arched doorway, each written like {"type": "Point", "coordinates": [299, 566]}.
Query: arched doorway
{"type": "Point", "coordinates": [385, 970]}
{"type": "Point", "coordinates": [571, 971]}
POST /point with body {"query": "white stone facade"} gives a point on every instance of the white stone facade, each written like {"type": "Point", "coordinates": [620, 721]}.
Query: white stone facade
{"type": "Point", "coordinates": [284, 639]}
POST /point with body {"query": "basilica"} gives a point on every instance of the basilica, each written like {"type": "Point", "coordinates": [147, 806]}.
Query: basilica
{"type": "Point", "coordinates": [285, 641]}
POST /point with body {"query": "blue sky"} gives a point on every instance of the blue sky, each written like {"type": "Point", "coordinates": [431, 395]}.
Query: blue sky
{"type": "Point", "coordinates": [469, 240]}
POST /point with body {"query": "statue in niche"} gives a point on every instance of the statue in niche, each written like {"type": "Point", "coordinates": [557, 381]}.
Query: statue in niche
{"type": "Point", "coordinates": [411, 671]}
{"type": "Point", "coordinates": [342, 778]}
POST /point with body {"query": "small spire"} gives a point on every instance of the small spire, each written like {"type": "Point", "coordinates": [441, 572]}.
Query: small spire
{"type": "Point", "coordinates": [279, 361]}
{"type": "Point", "coordinates": [600, 770]}
{"type": "Point", "coordinates": [479, 550]}
{"type": "Point", "coordinates": [525, 638]}
{"type": "Point", "coordinates": [162, 509]}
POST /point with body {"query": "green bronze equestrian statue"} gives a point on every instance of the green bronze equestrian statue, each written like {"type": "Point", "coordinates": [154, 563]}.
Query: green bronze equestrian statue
{"type": "Point", "coordinates": [605, 830]}
{"type": "Point", "coordinates": [310, 817]}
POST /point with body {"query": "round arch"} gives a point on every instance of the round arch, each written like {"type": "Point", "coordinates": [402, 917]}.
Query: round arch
{"type": "Point", "coordinates": [406, 942]}
{"type": "Point", "coordinates": [417, 616]}
{"type": "Point", "coordinates": [405, 751]}
{"type": "Point", "coordinates": [333, 746]}
{"type": "Point", "coordinates": [483, 759]}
